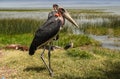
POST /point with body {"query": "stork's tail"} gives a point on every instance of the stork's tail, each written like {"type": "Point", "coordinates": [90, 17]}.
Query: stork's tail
{"type": "Point", "coordinates": [32, 49]}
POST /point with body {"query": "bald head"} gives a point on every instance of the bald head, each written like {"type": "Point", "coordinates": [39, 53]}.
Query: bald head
{"type": "Point", "coordinates": [55, 6]}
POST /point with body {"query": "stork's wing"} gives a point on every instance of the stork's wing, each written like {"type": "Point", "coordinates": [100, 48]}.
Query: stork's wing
{"type": "Point", "coordinates": [46, 32]}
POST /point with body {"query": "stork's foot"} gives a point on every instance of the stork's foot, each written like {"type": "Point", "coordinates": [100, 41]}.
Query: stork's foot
{"type": "Point", "coordinates": [51, 74]}
{"type": "Point", "coordinates": [50, 71]}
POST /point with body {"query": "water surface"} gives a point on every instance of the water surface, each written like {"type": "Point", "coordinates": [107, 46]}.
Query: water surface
{"type": "Point", "coordinates": [65, 3]}
{"type": "Point", "coordinates": [31, 15]}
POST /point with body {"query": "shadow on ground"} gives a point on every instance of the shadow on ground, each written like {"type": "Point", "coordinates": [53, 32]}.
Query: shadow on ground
{"type": "Point", "coordinates": [67, 76]}
{"type": "Point", "coordinates": [37, 69]}
{"type": "Point", "coordinates": [112, 69]}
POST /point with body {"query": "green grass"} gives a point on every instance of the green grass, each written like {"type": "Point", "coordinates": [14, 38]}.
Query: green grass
{"type": "Point", "coordinates": [78, 40]}
{"type": "Point", "coordinates": [19, 26]}
{"type": "Point", "coordinates": [117, 32]}
{"type": "Point", "coordinates": [25, 39]}
{"type": "Point", "coordinates": [79, 54]}
{"type": "Point", "coordinates": [100, 30]}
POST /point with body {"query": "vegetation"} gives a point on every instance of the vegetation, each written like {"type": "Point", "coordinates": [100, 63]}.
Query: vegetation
{"type": "Point", "coordinates": [109, 27]}
{"type": "Point", "coordinates": [23, 10]}
{"type": "Point", "coordinates": [12, 30]}
{"type": "Point", "coordinates": [86, 60]}
{"type": "Point", "coordinates": [97, 22]}
{"type": "Point", "coordinates": [75, 63]}
{"type": "Point", "coordinates": [106, 22]}
{"type": "Point", "coordinates": [19, 26]}
{"type": "Point", "coordinates": [88, 11]}
{"type": "Point", "coordinates": [25, 39]}
{"type": "Point", "coordinates": [78, 40]}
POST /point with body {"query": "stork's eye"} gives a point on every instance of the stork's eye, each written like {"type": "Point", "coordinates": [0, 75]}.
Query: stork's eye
{"type": "Point", "coordinates": [61, 10]}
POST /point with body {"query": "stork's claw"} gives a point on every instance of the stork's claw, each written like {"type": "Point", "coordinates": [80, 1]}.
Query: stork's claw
{"type": "Point", "coordinates": [51, 74]}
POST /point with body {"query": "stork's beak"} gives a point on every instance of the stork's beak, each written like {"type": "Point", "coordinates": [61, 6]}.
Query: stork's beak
{"type": "Point", "coordinates": [69, 18]}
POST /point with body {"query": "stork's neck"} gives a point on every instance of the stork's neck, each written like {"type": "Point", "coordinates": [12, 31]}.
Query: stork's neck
{"type": "Point", "coordinates": [60, 17]}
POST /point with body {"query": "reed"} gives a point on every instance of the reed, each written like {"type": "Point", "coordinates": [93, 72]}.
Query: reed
{"type": "Point", "coordinates": [98, 23]}
{"type": "Point", "coordinates": [14, 30]}
{"type": "Point", "coordinates": [90, 21]}
{"type": "Point", "coordinates": [19, 26]}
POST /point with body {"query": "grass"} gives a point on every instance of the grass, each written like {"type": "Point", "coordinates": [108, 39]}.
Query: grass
{"type": "Point", "coordinates": [88, 11]}
{"type": "Point", "coordinates": [24, 10]}
{"type": "Point", "coordinates": [11, 26]}
{"type": "Point", "coordinates": [76, 11]}
{"type": "Point", "coordinates": [14, 30]}
{"type": "Point", "coordinates": [78, 40]}
{"type": "Point", "coordinates": [100, 30]}
{"type": "Point", "coordinates": [116, 32]}
{"type": "Point", "coordinates": [19, 26]}
{"type": "Point", "coordinates": [74, 63]}
{"type": "Point", "coordinates": [25, 39]}
{"type": "Point", "coordinates": [109, 21]}
{"type": "Point", "coordinates": [79, 54]}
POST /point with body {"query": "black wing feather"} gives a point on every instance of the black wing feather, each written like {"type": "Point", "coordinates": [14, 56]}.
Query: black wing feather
{"type": "Point", "coordinates": [45, 33]}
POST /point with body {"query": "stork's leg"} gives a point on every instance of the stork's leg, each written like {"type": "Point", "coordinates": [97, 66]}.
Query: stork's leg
{"type": "Point", "coordinates": [42, 54]}
{"type": "Point", "coordinates": [49, 55]}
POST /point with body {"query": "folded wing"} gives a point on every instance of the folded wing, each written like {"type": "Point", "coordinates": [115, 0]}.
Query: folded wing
{"type": "Point", "coordinates": [45, 33]}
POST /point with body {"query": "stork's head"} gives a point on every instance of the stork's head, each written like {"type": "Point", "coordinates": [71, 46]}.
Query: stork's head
{"type": "Point", "coordinates": [66, 15]}
{"type": "Point", "coordinates": [55, 6]}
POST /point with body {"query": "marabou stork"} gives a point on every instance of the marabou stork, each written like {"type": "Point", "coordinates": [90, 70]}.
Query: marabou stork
{"type": "Point", "coordinates": [47, 32]}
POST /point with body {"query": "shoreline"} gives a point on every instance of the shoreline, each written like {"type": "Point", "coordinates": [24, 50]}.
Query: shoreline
{"type": "Point", "coordinates": [112, 9]}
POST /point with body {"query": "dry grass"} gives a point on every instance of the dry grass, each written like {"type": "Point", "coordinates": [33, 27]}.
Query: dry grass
{"type": "Point", "coordinates": [76, 63]}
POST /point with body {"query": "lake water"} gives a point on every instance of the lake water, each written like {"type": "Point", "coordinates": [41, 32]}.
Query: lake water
{"type": "Point", "coordinates": [108, 5]}
{"type": "Point", "coordinates": [31, 15]}
{"type": "Point", "coordinates": [108, 42]}
{"type": "Point", "coordinates": [65, 3]}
